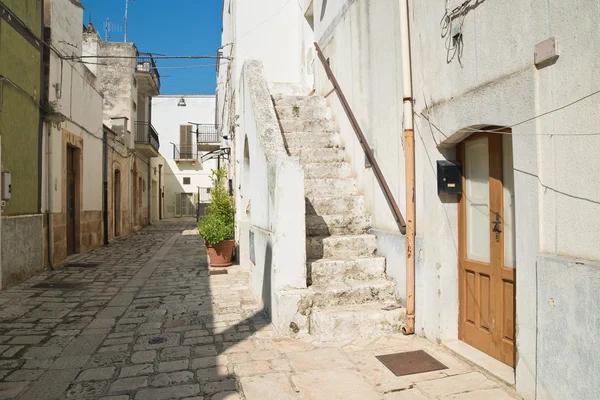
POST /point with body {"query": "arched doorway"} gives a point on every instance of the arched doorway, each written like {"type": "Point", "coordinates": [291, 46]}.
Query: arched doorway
{"type": "Point", "coordinates": [487, 264]}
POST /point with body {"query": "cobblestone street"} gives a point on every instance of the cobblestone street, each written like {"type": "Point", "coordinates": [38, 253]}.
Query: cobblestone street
{"type": "Point", "coordinates": [150, 322]}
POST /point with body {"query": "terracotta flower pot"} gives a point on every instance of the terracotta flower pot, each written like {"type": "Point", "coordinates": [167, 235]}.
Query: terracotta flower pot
{"type": "Point", "coordinates": [221, 254]}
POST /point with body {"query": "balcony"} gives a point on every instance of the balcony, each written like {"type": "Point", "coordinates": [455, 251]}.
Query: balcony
{"type": "Point", "coordinates": [185, 153]}
{"type": "Point", "coordinates": [146, 139]}
{"type": "Point", "coordinates": [147, 76]}
{"type": "Point", "coordinates": [207, 138]}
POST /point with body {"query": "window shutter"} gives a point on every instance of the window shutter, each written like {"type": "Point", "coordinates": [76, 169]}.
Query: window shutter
{"type": "Point", "coordinates": [185, 141]}
{"type": "Point", "coordinates": [178, 204]}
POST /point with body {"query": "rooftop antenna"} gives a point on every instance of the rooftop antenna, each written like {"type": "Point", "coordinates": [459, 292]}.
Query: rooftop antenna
{"type": "Point", "coordinates": [109, 27]}
{"type": "Point", "coordinates": [126, 18]}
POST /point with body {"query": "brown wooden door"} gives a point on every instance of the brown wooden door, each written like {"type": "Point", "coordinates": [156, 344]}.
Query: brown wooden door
{"type": "Point", "coordinates": [71, 198]}
{"type": "Point", "coordinates": [486, 260]}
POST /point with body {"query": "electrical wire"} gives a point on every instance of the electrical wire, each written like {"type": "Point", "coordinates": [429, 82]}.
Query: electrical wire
{"type": "Point", "coordinates": [502, 129]}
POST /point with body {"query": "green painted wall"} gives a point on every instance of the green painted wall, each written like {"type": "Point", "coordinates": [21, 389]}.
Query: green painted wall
{"type": "Point", "coordinates": [19, 114]}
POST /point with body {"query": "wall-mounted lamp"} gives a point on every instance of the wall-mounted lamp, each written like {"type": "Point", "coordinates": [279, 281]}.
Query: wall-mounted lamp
{"type": "Point", "coordinates": [181, 103]}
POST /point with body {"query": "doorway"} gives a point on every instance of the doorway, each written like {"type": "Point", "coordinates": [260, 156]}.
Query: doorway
{"type": "Point", "coordinates": [188, 209]}
{"type": "Point", "coordinates": [117, 203]}
{"type": "Point", "coordinates": [486, 245]}
{"type": "Point", "coordinates": [71, 199]}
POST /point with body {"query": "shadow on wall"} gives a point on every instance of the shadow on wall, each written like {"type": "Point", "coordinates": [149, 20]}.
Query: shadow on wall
{"type": "Point", "coordinates": [266, 289]}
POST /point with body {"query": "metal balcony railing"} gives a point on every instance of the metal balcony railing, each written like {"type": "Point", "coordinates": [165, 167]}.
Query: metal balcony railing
{"type": "Point", "coordinates": [184, 153]}
{"type": "Point", "coordinates": [146, 134]}
{"type": "Point", "coordinates": [207, 134]}
{"type": "Point", "coordinates": [146, 63]}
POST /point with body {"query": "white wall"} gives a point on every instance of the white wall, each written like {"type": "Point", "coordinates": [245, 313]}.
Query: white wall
{"type": "Point", "coordinates": [167, 118]}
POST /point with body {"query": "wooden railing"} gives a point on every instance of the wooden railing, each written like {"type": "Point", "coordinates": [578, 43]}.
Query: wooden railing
{"type": "Point", "coordinates": [363, 142]}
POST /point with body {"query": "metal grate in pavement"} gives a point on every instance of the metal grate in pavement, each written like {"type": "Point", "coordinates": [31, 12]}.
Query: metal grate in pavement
{"type": "Point", "coordinates": [410, 362]}
{"type": "Point", "coordinates": [58, 285]}
{"type": "Point", "coordinates": [218, 272]}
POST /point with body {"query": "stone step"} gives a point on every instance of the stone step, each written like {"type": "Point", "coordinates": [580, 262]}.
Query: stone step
{"type": "Point", "coordinates": [318, 155]}
{"type": "Point", "coordinates": [331, 205]}
{"type": "Point", "coordinates": [307, 125]}
{"type": "Point", "coordinates": [358, 292]}
{"type": "Point", "coordinates": [334, 170]}
{"type": "Point", "coordinates": [282, 100]}
{"type": "Point", "coordinates": [333, 270]}
{"type": "Point", "coordinates": [302, 111]}
{"type": "Point", "coordinates": [279, 89]}
{"type": "Point", "coordinates": [341, 246]}
{"type": "Point", "coordinates": [329, 187]}
{"type": "Point", "coordinates": [342, 224]}
{"type": "Point", "coordinates": [295, 140]}
{"type": "Point", "coordinates": [358, 321]}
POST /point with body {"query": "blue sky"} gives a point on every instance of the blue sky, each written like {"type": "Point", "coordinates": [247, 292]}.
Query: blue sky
{"type": "Point", "coordinates": [169, 27]}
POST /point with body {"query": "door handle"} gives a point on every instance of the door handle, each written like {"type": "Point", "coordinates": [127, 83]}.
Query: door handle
{"type": "Point", "coordinates": [497, 222]}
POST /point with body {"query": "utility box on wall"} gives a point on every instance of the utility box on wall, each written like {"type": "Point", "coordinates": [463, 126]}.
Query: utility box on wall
{"type": "Point", "coordinates": [449, 177]}
{"type": "Point", "coordinates": [6, 185]}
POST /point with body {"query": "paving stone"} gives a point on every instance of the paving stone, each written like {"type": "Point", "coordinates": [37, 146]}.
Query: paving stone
{"type": "Point", "coordinates": [325, 358]}
{"type": "Point", "coordinates": [107, 360]}
{"type": "Point", "coordinates": [169, 366]}
{"type": "Point", "coordinates": [410, 394]}
{"type": "Point", "coordinates": [51, 384]}
{"type": "Point", "coordinates": [135, 370]}
{"type": "Point", "coordinates": [129, 384]}
{"type": "Point", "coordinates": [455, 384]}
{"type": "Point", "coordinates": [10, 390]}
{"type": "Point", "coordinates": [117, 341]}
{"type": "Point", "coordinates": [122, 397]}
{"type": "Point", "coordinates": [152, 342]}
{"type": "Point", "coordinates": [42, 352]}
{"type": "Point", "coordinates": [111, 312]}
{"type": "Point", "coordinates": [115, 348]}
{"type": "Point", "coordinates": [70, 362]}
{"type": "Point", "coordinates": [12, 351]}
{"type": "Point", "coordinates": [168, 392]}
{"type": "Point", "coordinates": [270, 386]}
{"type": "Point", "coordinates": [206, 362]}
{"type": "Point", "coordinates": [346, 384]}
{"type": "Point", "coordinates": [38, 364]}
{"type": "Point", "coordinates": [24, 375]}
{"type": "Point", "coordinates": [205, 351]}
{"type": "Point", "coordinates": [172, 378]}
{"type": "Point", "coordinates": [174, 353]}
{"type": "Point", "coordinates": [83, 345]}
{"type": "Point", "coordinates": [226, 396]}
{"type": "Point", "coordinates": [86, 390]}
{"type": "Point", "coordinates": [216, 373]}
{"type": "Point", "coordinates": [487, 394]}
{"type": "Point", "coordinates": [27, 340]}
{"type": "Point", "coordinates": [143, 356]}
{"type": "Point", "coordinates": [97, 374]}
{"type": "Point", "coordinates": [252, 368]}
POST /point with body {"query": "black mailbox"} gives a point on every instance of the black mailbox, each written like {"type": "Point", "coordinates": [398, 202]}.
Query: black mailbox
{"type": "Point", "coordinates": [449, 177]}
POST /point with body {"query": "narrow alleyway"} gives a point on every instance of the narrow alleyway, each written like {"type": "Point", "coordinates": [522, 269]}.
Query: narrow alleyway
{"type": "Point", "coordinates": [144, 319]}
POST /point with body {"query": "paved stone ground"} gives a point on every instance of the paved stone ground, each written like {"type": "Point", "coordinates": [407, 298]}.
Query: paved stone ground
{"type": "Point", "coordinates": [149, 322]}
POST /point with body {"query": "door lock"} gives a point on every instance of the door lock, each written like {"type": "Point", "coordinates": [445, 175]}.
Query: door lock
{"type": "Point", "coordinates": [497, 224]}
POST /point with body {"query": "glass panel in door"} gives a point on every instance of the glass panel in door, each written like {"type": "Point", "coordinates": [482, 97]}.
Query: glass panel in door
{"type": "Point", "coordinates": [477, 190]}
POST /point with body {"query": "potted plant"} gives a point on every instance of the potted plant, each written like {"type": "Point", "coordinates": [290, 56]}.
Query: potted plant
{"type": "Point", "coordinates": [217, 227]}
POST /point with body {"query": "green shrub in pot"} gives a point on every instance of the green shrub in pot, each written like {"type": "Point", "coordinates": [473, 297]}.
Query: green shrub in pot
{"type": "Point", "coordinates": [218, 224]}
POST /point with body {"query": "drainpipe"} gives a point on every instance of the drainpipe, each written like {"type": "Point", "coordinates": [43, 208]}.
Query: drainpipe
{"type": "Point", "coordinates": [49, 219]}
{"type": "Point", "coordinates": [409, 157]}
{"type": "Point", "coordinates": [105, 185]}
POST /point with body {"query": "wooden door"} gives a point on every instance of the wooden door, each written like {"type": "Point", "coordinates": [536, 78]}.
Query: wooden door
{"type": "Point", "coordinates": [117, 203]}
{"type": "Point", "coordinates": [486, 246]}
{"type": "Point", "coordinates": [71, 200]}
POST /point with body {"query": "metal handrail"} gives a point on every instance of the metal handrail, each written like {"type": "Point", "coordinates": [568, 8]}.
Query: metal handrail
{"type": "Point", "coordinates": [363, 142]}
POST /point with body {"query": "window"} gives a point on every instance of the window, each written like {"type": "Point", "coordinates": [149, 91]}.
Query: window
{"type": "Point", "coordinates": [185, 142]}
{"type": "Point", "coordinates": [186, 181]}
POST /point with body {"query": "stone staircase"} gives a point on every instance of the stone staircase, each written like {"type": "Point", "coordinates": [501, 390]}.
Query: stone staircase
{"type": "Point", "coordinates": [347, 284]}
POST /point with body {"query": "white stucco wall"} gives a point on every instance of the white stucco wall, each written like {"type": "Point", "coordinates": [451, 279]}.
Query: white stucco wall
{"type": "Point", "coordinates": [167, 118]}
{"type": "Point", "coordinates": [495, 83]}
